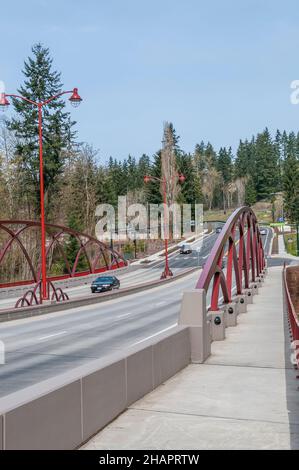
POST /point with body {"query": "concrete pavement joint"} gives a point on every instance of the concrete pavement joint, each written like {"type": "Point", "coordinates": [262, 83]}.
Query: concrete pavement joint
{"type": "Point", "coordinates": [201, 415]}
{"type": "Point", "coordinates": [243, 366]}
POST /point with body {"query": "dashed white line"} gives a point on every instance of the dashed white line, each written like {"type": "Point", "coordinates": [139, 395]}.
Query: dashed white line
{"type": "Point", "coordinates": [152, 336]}
{"type": "Point", "coordinates": [125, 315]}
{"type": "Point", "coordinates": [51, 336]}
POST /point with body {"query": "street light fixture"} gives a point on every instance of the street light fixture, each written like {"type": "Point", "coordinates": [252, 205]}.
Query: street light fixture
{"type": "Point", "coordinates": [147, 178]}
{"type": "Point", "coordinates": [75, 100]}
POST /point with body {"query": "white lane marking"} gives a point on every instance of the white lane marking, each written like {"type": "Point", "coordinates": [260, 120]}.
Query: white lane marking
{"type": "Point", "coordinates": [204, 257]}
{"type": "Point", "coordinates": [152, 336]}
{"type": "Point", "coordinates": [125, 315]}
{"type": "Point", "coordinates": [160, 303]}
{"type": "Point", "coordinates": [51, 336]}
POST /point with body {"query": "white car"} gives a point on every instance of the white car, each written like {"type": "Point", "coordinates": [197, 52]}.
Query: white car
{"type": "Point", "coordinates": [263, 231]}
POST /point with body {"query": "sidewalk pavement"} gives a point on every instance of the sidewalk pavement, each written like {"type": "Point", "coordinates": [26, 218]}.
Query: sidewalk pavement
{"type": "Point", "coordinates": [245, 396]}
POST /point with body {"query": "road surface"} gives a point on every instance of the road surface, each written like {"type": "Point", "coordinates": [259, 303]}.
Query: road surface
{"type": "Point", "coordinates": [42, 347]}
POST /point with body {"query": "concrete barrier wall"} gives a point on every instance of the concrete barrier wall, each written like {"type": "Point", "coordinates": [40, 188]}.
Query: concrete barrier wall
{"type": "Point", "coordinates": [64, 412]}
{"type": "Point", "coordinates": [15, 291]}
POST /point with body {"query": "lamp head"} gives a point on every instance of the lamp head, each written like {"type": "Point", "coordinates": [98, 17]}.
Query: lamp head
{"type": "Point", "coordinates": [4, 103]}
{"type": "Point", "coordinates": [75, 99]}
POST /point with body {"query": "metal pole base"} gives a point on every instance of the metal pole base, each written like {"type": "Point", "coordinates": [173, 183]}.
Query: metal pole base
{"type": "Point", "coordinates": [166, 273]}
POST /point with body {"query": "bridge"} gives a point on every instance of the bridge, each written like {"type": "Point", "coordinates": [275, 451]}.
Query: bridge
{"type": "Point", "coordinates": [217, 338]}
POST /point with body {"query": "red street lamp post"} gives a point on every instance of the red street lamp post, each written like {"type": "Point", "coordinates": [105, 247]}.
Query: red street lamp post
{"type": "Point", "coordinates": [167, 271]}
{"type": "Point", "coordinates": [75, 100]}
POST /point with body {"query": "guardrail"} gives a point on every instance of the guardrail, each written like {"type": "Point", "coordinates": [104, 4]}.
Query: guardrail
{"type": "Point", "coordinates": [246, 263]}
{"type": "Point", "coordinates": [98, 256]}
{"type": "Point", "coordinates": [293, 317]}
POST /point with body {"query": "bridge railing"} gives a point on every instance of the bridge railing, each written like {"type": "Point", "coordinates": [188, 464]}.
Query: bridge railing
{"type": "Point", "coordinates": [98, 257]}
{"type": "Point", "coordinates": [293, 317]}
{"type": "Point", "coordinates": [239, 240]}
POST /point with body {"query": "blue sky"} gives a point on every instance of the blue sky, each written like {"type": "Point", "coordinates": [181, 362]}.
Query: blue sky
{"type": "Point", "coordinates": [219, 70]}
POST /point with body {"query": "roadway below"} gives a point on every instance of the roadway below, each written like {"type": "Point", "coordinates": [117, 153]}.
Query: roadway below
{"type": "Point", "coordinates": [42, 347]}
{"type": "Point", "coordinates": [139, 274]}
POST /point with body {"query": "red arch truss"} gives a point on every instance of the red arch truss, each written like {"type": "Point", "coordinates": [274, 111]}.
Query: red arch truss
{"type": "Point", "coordinates": [92, 250]}
{"type": "Point", "coordinates": [241, 241]}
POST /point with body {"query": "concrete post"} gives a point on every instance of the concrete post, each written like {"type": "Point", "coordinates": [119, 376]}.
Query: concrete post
{"type": "Point", "coordinates": [260, 279]}
{"type": "Point", "coordinates": [230, 314]}
{"type": "Point", "coordinates": [254, 286]}
{"type": "Point", "coordinates": [241, 303]}
{"type": "Point", "coordinates": [194, 314]}
{"type": "Point", "coordinates": [217, 324]}
{"type": "Point", "coordinates": [249, 295]}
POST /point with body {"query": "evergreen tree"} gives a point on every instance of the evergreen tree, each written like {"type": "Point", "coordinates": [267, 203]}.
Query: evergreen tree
{"type": "Point", "coordinates": [224, 164]}
{"type": "Point", "coordinates": [291, 187]}
{"type": "Point", "coordinates": [190, 189]}
{"type": "Point", "coordinates": [245, 159]}
{"type": "Point", "coordinates": [41, 82]}
{"type": "Point", "coordinates": [266, 166]}
{"type": "Point", "coordinates": [153, 187]}
{"type": "Point", "coordinates": [250, 193]}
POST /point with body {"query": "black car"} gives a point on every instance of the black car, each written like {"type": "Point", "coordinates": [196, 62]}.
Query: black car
{"type": "Point", "coordinates": [105, 283]}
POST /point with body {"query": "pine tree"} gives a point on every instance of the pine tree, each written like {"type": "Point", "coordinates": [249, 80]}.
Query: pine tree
{"type": "Point", "coordinates": [41, 82]}
{"type": "Point", "coordinates": [291, 187]}
{"type": "Point", "coordinates": [190, 189]}
{"type": "Point", "coordinates": [224, 164]}
{"type": "Point", "coordinates": [250, 193]}
{"type": "Point", "coordinates": [267, 170]}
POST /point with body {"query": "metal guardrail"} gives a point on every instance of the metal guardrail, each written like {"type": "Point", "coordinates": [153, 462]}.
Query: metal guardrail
{"type": "Point", "coordinates": [56, 234]}
{"type": "Point", "coordinates": [246, 262]}
{"type": "Point", "coordinates": [293, 318]}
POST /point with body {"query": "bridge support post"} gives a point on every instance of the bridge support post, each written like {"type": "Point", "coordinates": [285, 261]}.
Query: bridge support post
{"type": "Point", "coordinates": [194, 314]}
{"type": "Point", "coordinates": [254, 286]}
{"type": "Point", "coordinates": [217, 325]}
{"type": "Point", "coordinates": [249, 295]}
{"type": "Point", "coordinates": [241, 303]}
{"type": "Point", "coordinates": [230, 314]}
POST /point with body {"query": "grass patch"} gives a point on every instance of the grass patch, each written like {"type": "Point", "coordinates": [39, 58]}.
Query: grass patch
{"type": "Point", "coordinates": [264, 216]}
{"type": "Point", "coordinates": [290, 243]}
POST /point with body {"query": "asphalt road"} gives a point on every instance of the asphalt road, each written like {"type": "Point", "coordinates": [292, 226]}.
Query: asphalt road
{"type": "Point", "coordinates": [41, 347]}
{"type": "Point", "coordinates": [138, 275]}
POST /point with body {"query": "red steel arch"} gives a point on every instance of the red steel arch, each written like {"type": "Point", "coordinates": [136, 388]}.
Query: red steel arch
{"type": "Point", "coordinates": [245, 257]}
{"type": "Point", "coordinates": [14, 229]}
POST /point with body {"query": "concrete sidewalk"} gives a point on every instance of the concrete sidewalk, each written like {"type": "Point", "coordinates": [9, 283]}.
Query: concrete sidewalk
{"type": "Point", "coordinates": [244, 397]}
